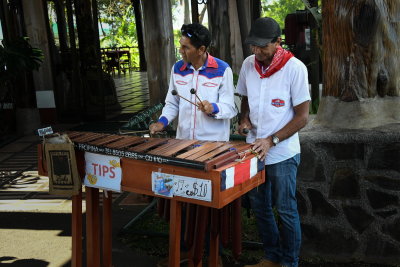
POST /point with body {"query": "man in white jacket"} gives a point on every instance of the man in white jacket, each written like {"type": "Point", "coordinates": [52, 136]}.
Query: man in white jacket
{"type": "Point", "coordinates": [211, 79]}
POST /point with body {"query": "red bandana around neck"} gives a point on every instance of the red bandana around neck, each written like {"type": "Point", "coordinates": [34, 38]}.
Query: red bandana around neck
{"type": "Point", "coordinates": [279, 60]}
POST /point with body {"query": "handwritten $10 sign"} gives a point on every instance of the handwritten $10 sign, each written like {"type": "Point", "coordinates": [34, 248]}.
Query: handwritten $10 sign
{"type": "Point", "coordinates": [192, 188]}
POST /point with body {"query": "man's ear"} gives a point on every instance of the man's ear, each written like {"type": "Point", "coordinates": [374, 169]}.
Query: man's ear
{"type": "Point", "coordinates": [202, 50]}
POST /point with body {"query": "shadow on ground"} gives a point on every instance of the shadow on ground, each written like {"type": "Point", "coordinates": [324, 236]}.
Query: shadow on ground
{"type": "Point", "coordinates": [14, 262]}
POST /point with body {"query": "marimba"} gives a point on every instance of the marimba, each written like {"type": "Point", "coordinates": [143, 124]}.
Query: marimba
{"type": "Point", "coordinates": [140, 157]}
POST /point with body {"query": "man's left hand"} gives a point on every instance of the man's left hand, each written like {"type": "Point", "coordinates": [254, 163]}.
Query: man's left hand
{"type": "Point", "coordinates": [261, 147]}
{"type": "Point", "coordinates": [206, 107]}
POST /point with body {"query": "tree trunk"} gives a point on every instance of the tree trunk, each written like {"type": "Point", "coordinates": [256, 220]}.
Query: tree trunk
{"type": "Point", "coordinates": [360, 64]}
{"type": "Point", "coordinates": [218, 21]}
{"type": "Point", "coordinates": [195, 11]}
{"type": "Point", "coordinates": [186, 7]}
{"type": "Point", "coordinates": [61, 24]}
{"type": "Point", "coordinates": [361, 44]}
{"type": "Point", "coordinates": [159, 46]}
{"type": "Point", "coordinates": [86, 34]}
{"type": "Point", "coordinates": [244, 9]}
{"type": "Point", "coordinates": [90, 60]}
{"type": "Point", "coordinates": [256, 9]}
{"type": "Point", "coordinates": [139, 33]}
{"type": "Point", "coordinates": [315, 60]}
{"type": "Point", "coordinates": [235, 37]}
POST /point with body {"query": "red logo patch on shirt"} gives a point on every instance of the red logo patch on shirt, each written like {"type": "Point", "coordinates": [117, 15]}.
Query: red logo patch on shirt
{"type": "Point", "coordinates": [278, 103]}
{"type": "Point", "coordinates": [209, 84]}
{"type": "Point", "coordinates": [181, 82]}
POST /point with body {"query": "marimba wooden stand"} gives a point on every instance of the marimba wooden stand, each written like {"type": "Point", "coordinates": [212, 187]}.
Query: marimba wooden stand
{"type": "Point", "coordinates": [99, 250]}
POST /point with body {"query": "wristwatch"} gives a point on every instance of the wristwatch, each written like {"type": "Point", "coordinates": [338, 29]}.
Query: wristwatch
{"type": "Point", "coordinates": [275, 139]}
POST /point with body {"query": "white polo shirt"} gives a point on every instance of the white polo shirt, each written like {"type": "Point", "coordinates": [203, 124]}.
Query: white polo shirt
{"type": "Point", "coordinates": [271, 101]}
{"type": "Point", "coordinates": [214, 83]}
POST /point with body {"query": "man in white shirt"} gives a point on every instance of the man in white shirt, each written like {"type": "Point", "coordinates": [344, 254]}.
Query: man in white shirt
{"type": "Point", "coordinates": [275, 106]}
{"type": "Point", "coordinates": [212, 80]}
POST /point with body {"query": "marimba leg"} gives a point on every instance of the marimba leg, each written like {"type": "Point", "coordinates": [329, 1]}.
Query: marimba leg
{"type": "Point", "coordinates": [190, 223]}
{"type": "Point", "coordinates": [92, 227]}
{"type": "Point", "coordinates": [175, 233]}
{"type": "Point", "coordinates": [214, 238]}
{"type": "Point", "coordinates": [199, 237]}
{"type": "Point", "coordinates": [76, 230]}
{"type": "Point", "coordinates": [225, 225]}
{"type": "Point", "coordinates": [107, 229]}
{"type": "Point", "coordinates": [237, 228]}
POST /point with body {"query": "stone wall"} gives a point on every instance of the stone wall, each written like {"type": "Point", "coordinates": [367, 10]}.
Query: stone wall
{"type": "Point", "coordinates": [349, 194]}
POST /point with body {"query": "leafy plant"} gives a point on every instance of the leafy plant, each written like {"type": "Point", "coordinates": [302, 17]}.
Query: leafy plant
{"type": "Point", "coordinates": [18, 56]}
{"type": "Point", "coordinates": [279, 9]}
{"type": "Point", "coordinates": [15, 58]}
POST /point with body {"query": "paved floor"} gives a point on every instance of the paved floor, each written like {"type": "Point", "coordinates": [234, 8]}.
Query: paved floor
{"type": "Point", "coordinates": [35, 227]}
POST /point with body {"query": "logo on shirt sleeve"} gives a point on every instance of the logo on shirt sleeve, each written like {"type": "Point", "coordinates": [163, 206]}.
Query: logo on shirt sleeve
{"type": "Point", "coordinates": [278, 102]}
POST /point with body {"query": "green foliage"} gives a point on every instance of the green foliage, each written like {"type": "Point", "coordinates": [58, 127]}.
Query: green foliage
{"type": "Point", "coordinates": [18, 56]}
{"type": "Point", "coordinates": [119, 16]}
{"type": "Point", "coordinates": [235, 79]}
{"type": "Point", "coordinates": [118, 27]}
{"type": "Point", "coordinates": [279, 9]}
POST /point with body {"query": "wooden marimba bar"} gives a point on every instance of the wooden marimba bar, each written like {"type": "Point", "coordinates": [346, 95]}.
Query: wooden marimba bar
{"type": "Point", "coordinates": [140, 157]}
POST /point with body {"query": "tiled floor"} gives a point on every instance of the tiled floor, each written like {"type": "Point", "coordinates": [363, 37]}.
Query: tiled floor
{"type": "Point", "coordinates": [133, 96]}
{"type": "Point", "coordinates": [18, 157]}
{"type": "Point", "coordinates": [132, 91]}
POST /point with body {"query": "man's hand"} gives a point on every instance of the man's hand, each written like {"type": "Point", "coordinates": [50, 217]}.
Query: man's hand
{"type": "Point", "coordinates": [244, 127]}
{"type": "Point", "coordinates": [206, 107]}
{"type": "Point", "coordinates": [156, 127]}
{"type": "Point", "coordinates": [261, 147]}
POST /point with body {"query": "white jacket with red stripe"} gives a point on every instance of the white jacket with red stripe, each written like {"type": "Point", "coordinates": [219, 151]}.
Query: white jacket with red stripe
{"type": "Point", "coordinates": [213, 82]}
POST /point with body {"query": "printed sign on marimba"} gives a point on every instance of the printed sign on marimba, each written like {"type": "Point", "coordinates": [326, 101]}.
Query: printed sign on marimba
{"type": "Point", "coordinates": [170, 185]}
{"type": "Point", "coordinates": [103, 172]}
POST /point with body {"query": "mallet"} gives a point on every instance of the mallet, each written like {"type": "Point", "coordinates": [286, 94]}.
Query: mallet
{"type": "Point", "coordinates": [174, 92]}
{"type": "Point", "coordinates": [193, 91]}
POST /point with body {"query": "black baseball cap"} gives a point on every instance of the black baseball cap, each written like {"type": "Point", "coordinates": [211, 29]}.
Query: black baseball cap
{"type": "Point", "coordinates": [263, 31]}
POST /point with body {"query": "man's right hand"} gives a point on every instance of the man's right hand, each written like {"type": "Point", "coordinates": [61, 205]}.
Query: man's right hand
{"type": "Point", "coordinates": [156, 127]}
{"type": "Point", "coordinates": [244, 127]}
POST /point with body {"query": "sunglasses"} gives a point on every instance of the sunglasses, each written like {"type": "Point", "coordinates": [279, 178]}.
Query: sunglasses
{"type": "Point", "coordinates": [189, 33]}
